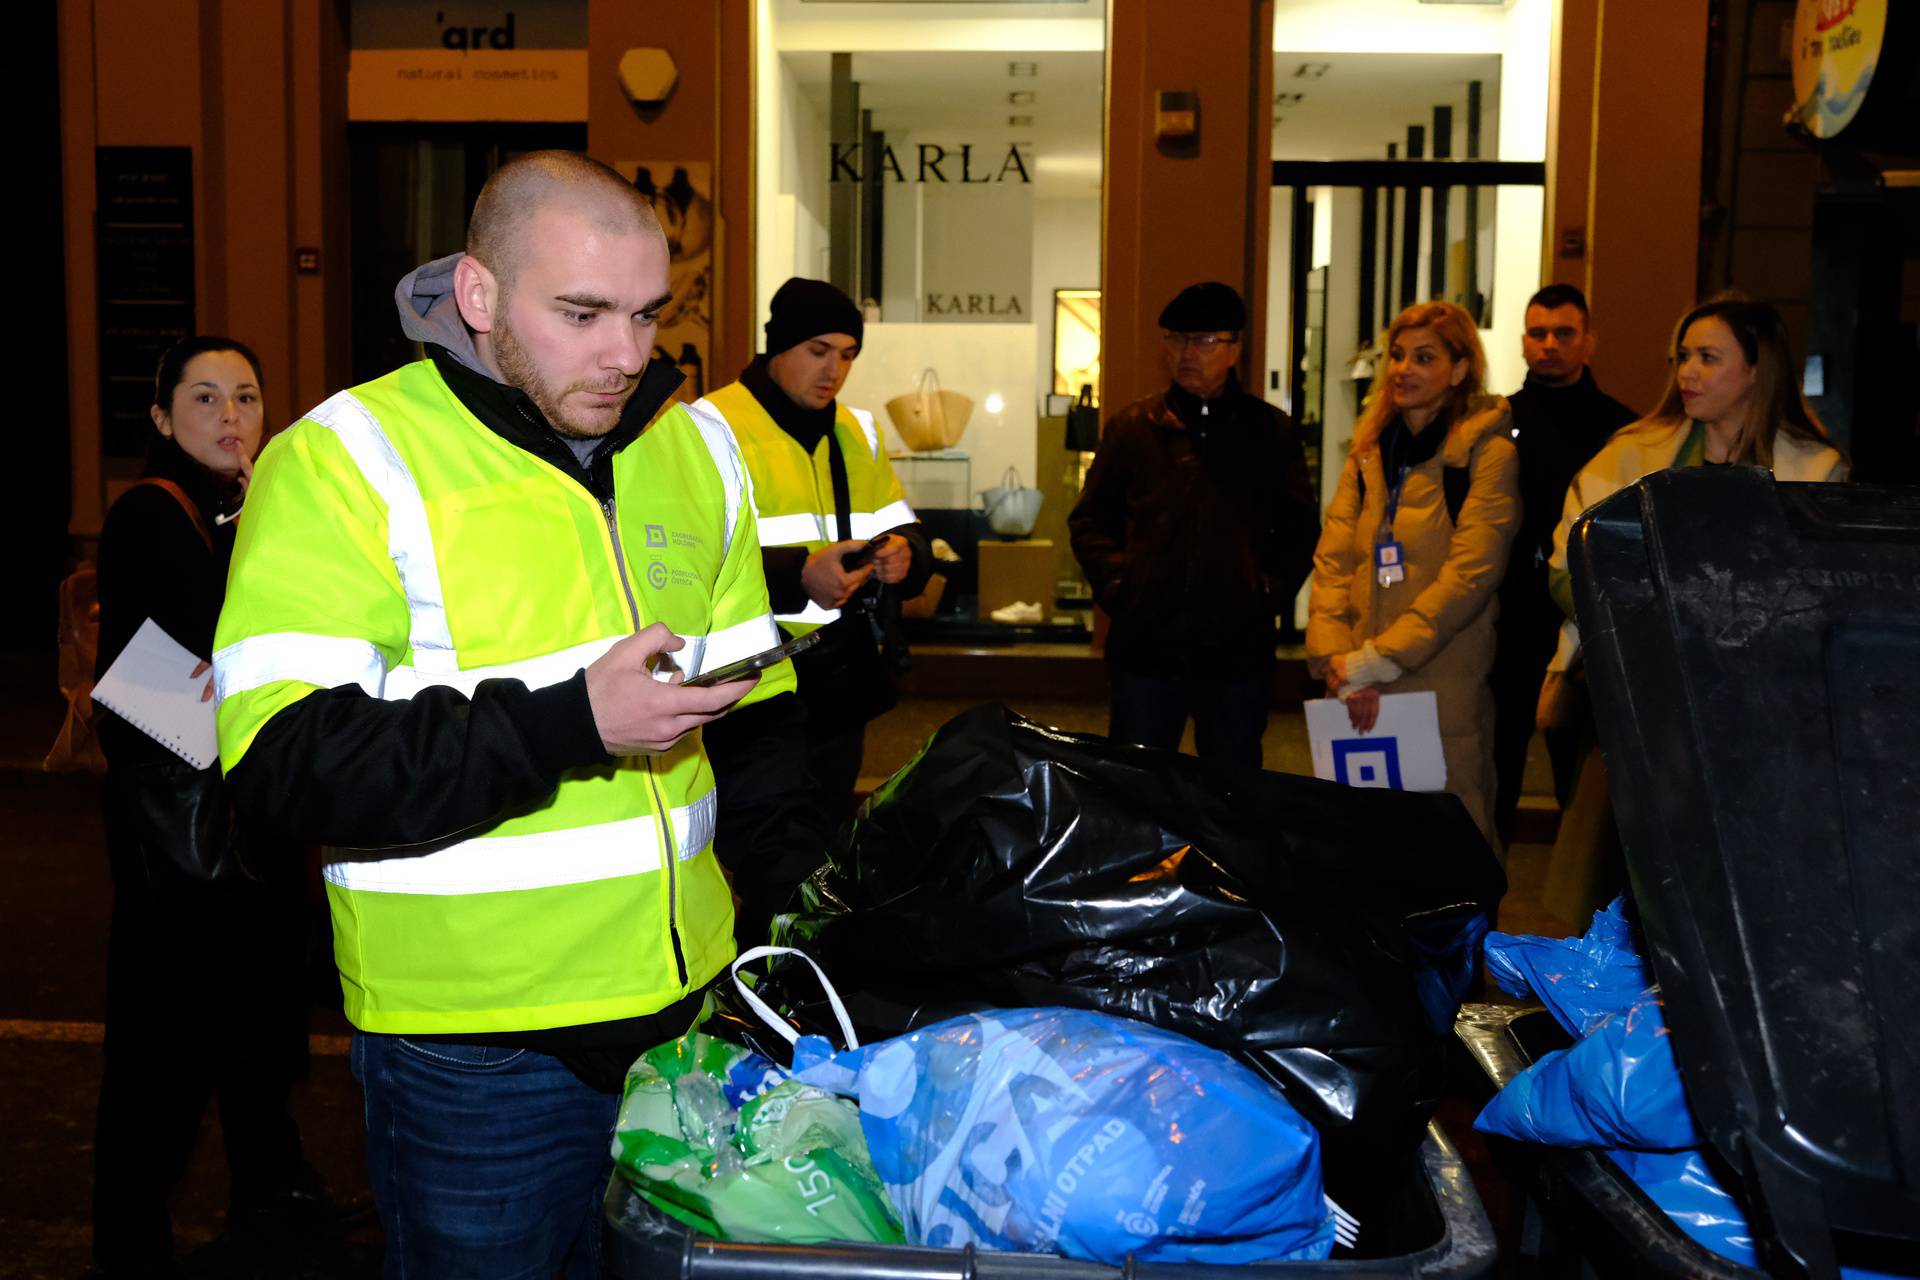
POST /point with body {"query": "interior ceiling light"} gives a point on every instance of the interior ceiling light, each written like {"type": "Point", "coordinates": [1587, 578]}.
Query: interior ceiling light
{"type": "Point", "coordinates": [1027, 69]}
{"type": "Point", "coordinates": [1020, 98]}
{"type": "Point", "coordinates": [1311, 70]}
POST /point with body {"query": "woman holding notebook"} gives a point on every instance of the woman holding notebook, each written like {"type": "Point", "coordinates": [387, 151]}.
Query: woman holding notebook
{"type": "Point", "coordinates": [1416, 542]}
{"type": "Point", "coordinates": [205, 987]}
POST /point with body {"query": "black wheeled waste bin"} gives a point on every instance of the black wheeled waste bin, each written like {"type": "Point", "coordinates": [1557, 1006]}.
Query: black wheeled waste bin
{"type": "Point", "coordinates": [1439, 1228]}
{"type": "Point", "coordinates": [1753, 652]}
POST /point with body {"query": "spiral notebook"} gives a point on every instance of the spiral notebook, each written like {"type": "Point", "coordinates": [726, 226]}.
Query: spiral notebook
{"type": "Point", "coordinates": [148, 687]}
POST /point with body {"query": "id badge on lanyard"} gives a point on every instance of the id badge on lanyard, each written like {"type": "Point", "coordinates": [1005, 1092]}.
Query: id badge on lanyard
{"type": "Point", "coordinates": [1389, 557]}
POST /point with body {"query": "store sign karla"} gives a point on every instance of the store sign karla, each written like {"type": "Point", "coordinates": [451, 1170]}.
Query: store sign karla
{"type": "Point", "coordinates": [930, 162]}
{"type": "Point", "coordinates": [1836, 49]}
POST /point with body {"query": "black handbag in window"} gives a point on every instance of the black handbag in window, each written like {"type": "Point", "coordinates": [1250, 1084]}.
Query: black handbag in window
{"type": "Point", "coordinates": [1083, 422]}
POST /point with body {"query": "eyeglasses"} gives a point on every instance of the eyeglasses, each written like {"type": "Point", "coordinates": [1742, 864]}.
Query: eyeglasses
{"type": "Point", "coordinates": [1201, 342]}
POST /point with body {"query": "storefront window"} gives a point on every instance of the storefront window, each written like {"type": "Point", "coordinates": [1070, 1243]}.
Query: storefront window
{"type": "Point", "coordinates": [1408, 143]}
{"type": "Point", "coordinates": [945, 172]}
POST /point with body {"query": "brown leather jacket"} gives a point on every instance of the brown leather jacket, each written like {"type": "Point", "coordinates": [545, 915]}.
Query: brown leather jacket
{"type": "Point", "coordinates": [1194, 530]}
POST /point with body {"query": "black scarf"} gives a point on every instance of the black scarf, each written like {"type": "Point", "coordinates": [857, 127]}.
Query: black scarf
{"type": "Point", "coordinates": [808, 426]}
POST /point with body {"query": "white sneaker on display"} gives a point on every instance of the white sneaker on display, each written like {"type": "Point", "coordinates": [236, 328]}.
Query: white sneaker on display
{"type": "Point", "coordinates": [1020, 612]}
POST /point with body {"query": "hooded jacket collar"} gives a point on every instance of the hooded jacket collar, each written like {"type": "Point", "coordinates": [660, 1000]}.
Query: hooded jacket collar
{"type": "Point", "coordinates": [429, 315]}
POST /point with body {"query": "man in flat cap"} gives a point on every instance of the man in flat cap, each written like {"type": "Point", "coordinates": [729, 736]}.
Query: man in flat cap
{"type": "Point", "coordinates": [838, 543]}
{"type": "Point", "coordinates": [1196, 527]}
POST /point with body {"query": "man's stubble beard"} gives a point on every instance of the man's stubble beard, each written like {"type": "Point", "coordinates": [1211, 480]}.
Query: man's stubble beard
{"type": "Point", "coordinates": [517, 368]}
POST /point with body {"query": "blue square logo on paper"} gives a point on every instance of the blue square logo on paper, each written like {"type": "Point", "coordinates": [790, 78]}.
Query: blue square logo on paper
{"type": "Point", "coordinates": [1367, 762]}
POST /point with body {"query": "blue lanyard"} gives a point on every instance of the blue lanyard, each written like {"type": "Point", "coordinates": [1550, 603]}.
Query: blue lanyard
{"type": "Point", "coordinates": [1393, 503]}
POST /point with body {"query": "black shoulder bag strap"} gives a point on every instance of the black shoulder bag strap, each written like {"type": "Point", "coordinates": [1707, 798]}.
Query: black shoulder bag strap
{"type": "Point", "coordinates": [882, 607]}
{"type": "Point", "coordinates": [842, 488]}
{"type": "Point", "coordinates": [1454, 483]}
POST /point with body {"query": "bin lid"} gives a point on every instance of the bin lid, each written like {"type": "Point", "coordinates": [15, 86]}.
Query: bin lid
{"type": "Point", "coordinates": [1753, 653]}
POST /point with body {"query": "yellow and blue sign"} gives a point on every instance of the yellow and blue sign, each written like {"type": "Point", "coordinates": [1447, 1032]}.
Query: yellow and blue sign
{"type": "Point", "coordinates": [1836, 49]}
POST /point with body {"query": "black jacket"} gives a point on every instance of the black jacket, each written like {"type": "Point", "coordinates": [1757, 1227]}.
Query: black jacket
{"type": "Point", "coordinates": [168, 824]}
{"type": "Point", "coordinates": [1196, 526]}
{"type": "Point", "coordinates": [153, 563]}
{"type": "Point", "coordinates": [1557, 430]}
{"type": "Point", "coordinates": [341, 768]}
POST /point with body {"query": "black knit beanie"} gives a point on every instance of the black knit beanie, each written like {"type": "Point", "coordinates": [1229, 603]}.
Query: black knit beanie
{"type": "Point", "coordinates": [1211, 307]}
{"type": "Point", "coordinates": [805, 309]}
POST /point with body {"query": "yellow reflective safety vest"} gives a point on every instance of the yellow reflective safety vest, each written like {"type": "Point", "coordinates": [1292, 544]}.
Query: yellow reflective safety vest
{"type": "Point", "coordinates": [793, 490]}
{"type": "Point", "coordinates": [393, 541]}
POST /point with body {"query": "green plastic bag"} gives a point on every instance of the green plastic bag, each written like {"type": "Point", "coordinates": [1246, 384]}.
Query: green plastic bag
{"type": "Point", "coordinates": [719, 1138]}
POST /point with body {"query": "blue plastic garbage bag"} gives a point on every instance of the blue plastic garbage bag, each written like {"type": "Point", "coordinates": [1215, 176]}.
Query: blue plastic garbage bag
{"type": "Point", "coordinates": [1686, 1191]}
{"type": "Point", "coordinates": [1618, 1087]}
{"type": "Point", "coordinates": [1580, 980]}
{"type": "Point", "coordinates": [1065, 1131]}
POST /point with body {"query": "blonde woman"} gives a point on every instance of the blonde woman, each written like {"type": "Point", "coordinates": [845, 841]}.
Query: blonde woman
{"type": "Point", "coordinates": [1416, 543]}
{"type": "Point", "coordinates": [1733, 398]}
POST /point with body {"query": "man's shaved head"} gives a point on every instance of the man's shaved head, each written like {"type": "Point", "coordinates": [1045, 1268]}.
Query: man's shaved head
{"type": "Point", "coordinates": [539, 180]}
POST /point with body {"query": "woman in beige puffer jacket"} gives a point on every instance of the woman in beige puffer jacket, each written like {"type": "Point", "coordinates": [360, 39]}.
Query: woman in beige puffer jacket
{"type": "Point", "coordinates": [1430, 625]}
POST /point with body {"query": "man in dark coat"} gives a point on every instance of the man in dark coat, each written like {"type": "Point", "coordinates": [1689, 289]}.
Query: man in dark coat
{"type": "Point", "coordinates": [1560, 420]}
{"type": "Point", "coordinates": [1196, 526]}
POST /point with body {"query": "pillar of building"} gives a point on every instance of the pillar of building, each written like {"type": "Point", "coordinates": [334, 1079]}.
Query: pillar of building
{"type": "Point", "coordinates": [708, 121]}
{"type": "Point", "coordinates": [268, 180]}
{"type": "Point", "coordinates": [1636, 71]}
{"type": "Point", "coordinates": [1174, 216]}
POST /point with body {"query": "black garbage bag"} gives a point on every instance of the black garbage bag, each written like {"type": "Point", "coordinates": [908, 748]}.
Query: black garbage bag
{"type": "Point", "coordinates": [1325, 933]}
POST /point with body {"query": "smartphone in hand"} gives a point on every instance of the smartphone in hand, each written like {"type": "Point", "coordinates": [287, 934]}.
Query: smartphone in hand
{"type": "Point", "coordinates": [757, 662]}
{"type": "Point", "coordinates": [864, 556]}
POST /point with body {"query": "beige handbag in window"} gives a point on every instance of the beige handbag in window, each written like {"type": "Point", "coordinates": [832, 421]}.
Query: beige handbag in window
{"type": "Point", "coordinates": [931, 417]}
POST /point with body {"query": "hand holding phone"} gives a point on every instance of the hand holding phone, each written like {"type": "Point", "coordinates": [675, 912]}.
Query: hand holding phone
{"type": "Point", "coordinates": [864, 556]}
{"type": "Point", "coordinates": [637, 714]}
{"type": "Point", "coordinates": [827, 581]}
{"type": "Point", "coordinates": [755, 663]}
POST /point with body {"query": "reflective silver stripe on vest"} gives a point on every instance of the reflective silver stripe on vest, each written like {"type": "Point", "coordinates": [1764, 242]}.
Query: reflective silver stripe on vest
{"type": "Point", "coordinates": [813, 615]}
{"type": "Point", "coordinates": [865, 418]}
{"type": "Point", "coordinates": [327, 661]}
{"type": "Point", "coordinates": [494, 864]}
{"type": "Point", "coordinates": [730, 644]}
{"type": "Point", "coordinates": [787, 531]}
{"type": "Point", "coordinates": [409, 540]}
{"type": "Point", "coordinates": [536, 673]}
{"type": "Point", "coordinates": [894, 514]}
{"type": "Point", "coordinates": [726, 460]}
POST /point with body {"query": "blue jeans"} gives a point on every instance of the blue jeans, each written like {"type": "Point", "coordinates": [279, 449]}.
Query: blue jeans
{"type": "Point", "coordinates": [1229, 716]}
{"type": "Point", "coordinates": [486, 1163]}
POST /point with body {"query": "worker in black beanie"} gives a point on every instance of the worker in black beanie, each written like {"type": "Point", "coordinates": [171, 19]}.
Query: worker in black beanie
{"type": "Point", "coordinates": [1196, 528]}
{"type": "Point", "coordinates": [838, 542]}
{"type": "Point", "coordinates": [803, 309]}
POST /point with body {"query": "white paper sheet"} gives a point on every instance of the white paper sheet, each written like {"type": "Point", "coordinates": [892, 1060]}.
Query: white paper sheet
{"type": "Point", "coordinates": [148, 687]}
{"type": "Point", "coordinates": [1401, 753]}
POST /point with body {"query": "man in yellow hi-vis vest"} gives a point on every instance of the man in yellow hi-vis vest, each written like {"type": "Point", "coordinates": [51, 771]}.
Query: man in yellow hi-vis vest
{"type": "Point", "coordinates": [462, 600]}
{"type": "Point", "coordinates": [839, 544]}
